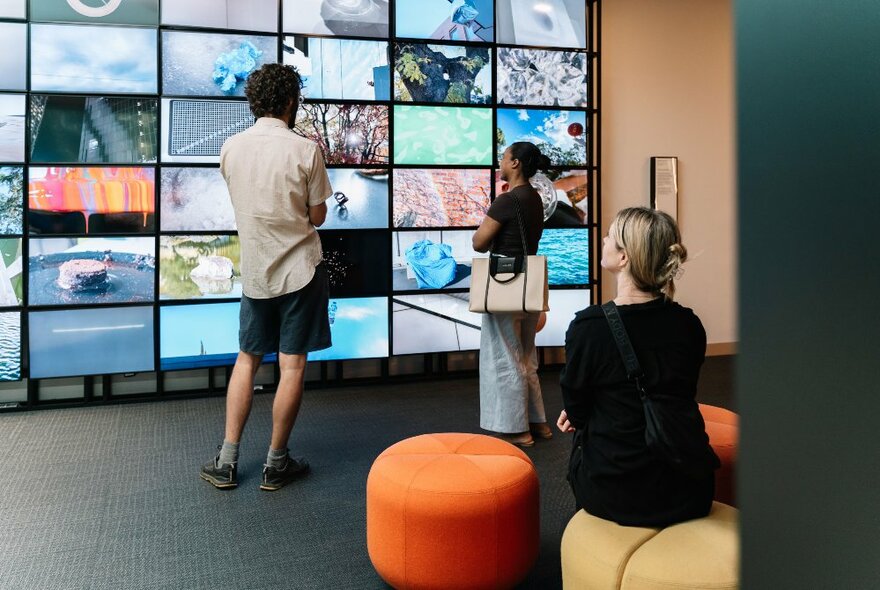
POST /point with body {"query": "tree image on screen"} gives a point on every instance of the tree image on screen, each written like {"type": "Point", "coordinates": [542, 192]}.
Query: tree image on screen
{"type": "Point", "coordinates": [347, 133]}
{"type": "Point", "coordinates": [436, 73]}
{"type": "Point", "coordinates": [11, 188]}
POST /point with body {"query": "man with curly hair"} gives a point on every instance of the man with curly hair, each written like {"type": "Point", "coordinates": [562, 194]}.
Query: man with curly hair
{"type": "Point", "coordinates": [278, 184]}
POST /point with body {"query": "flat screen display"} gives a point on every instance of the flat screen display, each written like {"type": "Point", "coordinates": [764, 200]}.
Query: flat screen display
{"type": "Point", "coordinates": [195, 199]}
{"type": "Point", "coordinates": [459, 20]}
{"type": "Point", "coordinates": [336, 69]}
{"type": "Point", "coordinates": [89, 129]}
{"type": "Point", "coordinates": [564, 304]}
{"type": "Point", "coordinates": [547, 23]}
{"type": "Point", "coordinates": [359, 200]}
{"type": "Point", "coordinates": [199, 267]}
{"type": "Point", "coordinates": [542, 78]}
{"type": "Point", "coordinates": [10, 346]}
{"type": "Point", "coordinates": [12, 9]}
{"type": "Point", "coordinates": [346, 133]}
{"type": "Point", "coordinates": [82, 58]}
{"type": "Point", "coordinates": [442, 73]}
{"type": "Point", "coordinates": [10, 272]}
{"type": "Point", "coordinates": [422, 260]}
{"type": "Point", "coordinates": [13, 60]}
{"type": "Point", "coordinates": [196, 336]}
{"type": "Point", "coordinates": [193, 131]}
{"type": "Point", "coordinates": [355, 18]}
{"type": "Point", "coordinates": [440, 197]}
{"type": "Point", "coordinates": [11, 199]}
{"type": "Point", "coordinates": [560, 135]}
{"type": "Point", "coordinates": [88, 271]}
{"type": "Point", "coordinates": [212, 64]}
{"type": "Point", "coordinates": [92, 200]}
{"type": "Point", "coordinates": [12, 127]}
{"type": "Point", "coordinates": [571, 191]}
{"type": "Point", "coordinates": [352, 262]}
{"type": "Point", "coordinates": [434, 323]}
{"type": "Point", "coordinates": [117, 340]}
{"type": "Point", "coordinates": [127, 12]}
{"type": "Point", "coordinates": [359, 329]}
{"type": "Point", "coordinates": [443, 136]}
{"type": "Point", "coordinates": [568, 256]}
{"type": "Point", "coordinates": [241, 15]}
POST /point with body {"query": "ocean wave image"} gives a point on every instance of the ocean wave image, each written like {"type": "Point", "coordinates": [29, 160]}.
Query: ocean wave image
{"type": "Point", "coordinates": [568, 255]}
{"type": "Point", "coordinates": [10, 346]}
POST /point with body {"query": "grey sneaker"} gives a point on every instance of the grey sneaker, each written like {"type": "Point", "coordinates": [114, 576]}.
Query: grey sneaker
{"type": "Point", "coordinates": [223, 476]}
{"type": "Point", "coordinates": [275, 478]}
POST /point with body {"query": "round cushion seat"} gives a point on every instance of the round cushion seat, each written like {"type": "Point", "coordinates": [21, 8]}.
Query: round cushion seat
{"type": "Point", "coordinates": [722, 426]}
{"type": "Point", "coordinates": [452, 510]}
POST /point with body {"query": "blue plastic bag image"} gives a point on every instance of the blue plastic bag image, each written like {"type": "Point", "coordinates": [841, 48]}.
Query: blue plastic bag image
{"type": "Point", "coordinates": [432, 264]}
{"type": "Point", "coordinates": [233, 67]}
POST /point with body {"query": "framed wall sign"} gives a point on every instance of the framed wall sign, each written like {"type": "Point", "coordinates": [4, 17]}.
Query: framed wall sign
{"type": "Point", "coordinates": [664, 184]}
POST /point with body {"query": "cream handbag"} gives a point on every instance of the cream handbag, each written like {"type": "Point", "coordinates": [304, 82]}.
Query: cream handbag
{"type": "Point", "coordinates": [510, 284]}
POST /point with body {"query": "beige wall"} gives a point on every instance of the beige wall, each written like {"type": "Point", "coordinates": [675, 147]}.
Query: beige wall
{"type": "Point", "coordinates": [667, 90]}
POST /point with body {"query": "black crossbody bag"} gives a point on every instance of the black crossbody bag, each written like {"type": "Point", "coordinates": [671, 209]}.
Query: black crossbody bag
{"type": "Point", "coordinates": [674, 428]}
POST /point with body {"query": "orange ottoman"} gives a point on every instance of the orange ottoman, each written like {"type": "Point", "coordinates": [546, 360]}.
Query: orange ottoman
{"type": "Point", "coordinates": [722, 426]}
{"type": "Point", "coordinates": [451, 511]}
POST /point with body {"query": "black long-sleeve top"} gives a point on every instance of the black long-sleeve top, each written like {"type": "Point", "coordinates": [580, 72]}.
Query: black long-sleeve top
{"type": "Point", "coordinates": [619, 478]}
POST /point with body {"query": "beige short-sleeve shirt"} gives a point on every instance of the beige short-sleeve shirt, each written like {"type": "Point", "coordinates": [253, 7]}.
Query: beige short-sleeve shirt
{"type": "Point", "coordinates": [273, 177]}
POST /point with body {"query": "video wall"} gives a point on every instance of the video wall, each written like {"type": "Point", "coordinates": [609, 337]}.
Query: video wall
{"type": "Point", "coordinates": [118, 245]}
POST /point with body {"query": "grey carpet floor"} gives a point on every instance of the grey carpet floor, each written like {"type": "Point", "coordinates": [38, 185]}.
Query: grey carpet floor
{"type": "Point", "coordinates": [108, 497]}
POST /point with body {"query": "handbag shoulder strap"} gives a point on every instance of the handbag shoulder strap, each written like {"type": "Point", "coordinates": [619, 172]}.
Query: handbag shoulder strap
{"type": "Point", "coordinates": [618, 330]}
{"type": "Point", "coordinates": [522, 229]}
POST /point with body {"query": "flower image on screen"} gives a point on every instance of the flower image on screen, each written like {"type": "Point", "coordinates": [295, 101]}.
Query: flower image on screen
{"type": "Point", "coordinates": [12, 127]}
{"type": "Point", "coordinates": [13, 60]}
{"type": "Point", "coordinates": [356, 18]}
{"type": "Point", "coordinates": [542, 78]}
{"type": "Point", "coordinates": [115, 340]}
{"type": "Point", "coordinates": [10, 272]}
{"type": "Point", "coordinates": [199, 267]}
{"type": "Point", "coordinates": [432, 259]}
{"type": "Point", "coordinates": [195, 199]}
{"type": "Point", "coordinates": [212, 64]}
{"type": "Point", "coordinates": [434, 323]}
{"type": "Point", "coordinates": [193, 131]}
{"type": "Point", "coordinates": [13, 8]}
{"type": "Point", "coordinates": [570, 206]}
{"type": "Point", "coordinates": [340, 68]}
{"type": "Point", "coordinates": [242, 15]}
{"type": "Point", "coordinates": [93, 129]}
{"type": "Point", "coordinates": [560, 135]}
{"type": "Point", "coordinates": [91, 200]}
{"type": "Point", "coordinates": [359, 200]}
{"type": "Point", "coordinates": [11, 199]}
{"type": "Point", "coordinates": [10, 346]}
{"type": "Point", "coordinates": [353, 262]}
{"type": "Point", "coordinates": [346, 134]}
{"type": "Point", "coordinates": [82, 58]}
{"type": "Point", "coordinates": [564, 304]}
{"type": "Point", "coordinates": [445, 136]}
{"type": "Point", "coordinates": [568, 256]}
{"type": "Point", "coordinates": [454, 20]}
{"type": "Point", "coordinates": [121, 12]}
{"type": "Point", "coordinates": [547, 23]}
{"type": "Point", "coordinates": [442, 73]}
{"type": "Point", "coordinates": [358, 328]}
{"type": "Point", "coordinates": [86, 271]}
{"type": "Point", "coordinates": [440, 197]}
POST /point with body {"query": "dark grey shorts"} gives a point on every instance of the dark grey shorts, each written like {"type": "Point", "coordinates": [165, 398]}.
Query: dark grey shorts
{"type": "Point", "coordinates": [295, 323]}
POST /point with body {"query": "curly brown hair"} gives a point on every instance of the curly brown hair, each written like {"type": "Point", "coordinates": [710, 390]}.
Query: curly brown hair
{"type": "Point", "coordinates": [270, 89]}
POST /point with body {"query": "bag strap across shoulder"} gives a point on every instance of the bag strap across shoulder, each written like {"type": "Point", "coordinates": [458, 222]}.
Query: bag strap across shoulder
{"type": "Point", "coordinates": [522, 229]}
{"type": "Point", "coordinates": [618, 330]}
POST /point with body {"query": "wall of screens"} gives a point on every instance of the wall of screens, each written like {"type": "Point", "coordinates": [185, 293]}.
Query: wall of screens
{"type": "Point", "coordinates": [118, 250]}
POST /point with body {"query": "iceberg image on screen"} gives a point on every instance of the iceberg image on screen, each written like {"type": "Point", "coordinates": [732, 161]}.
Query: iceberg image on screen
{"type": "Point", "coordinates": [84, 58]}
{"type": "Point", "coordinates": [442, 73]}
{"type": "Point", "coordinates": [92, 200]}
{"type": "Point", "coordinates": [98, 341]}
{"type": "Point", "coordinates": [445, 197]}
{"type": "Point", "coordinates": [11, 280]}
{"type": "Point", "coordinates": [359, 199]}
{"type": "Point", "coordinates": [241, 15]}
{"type": "Point", "coordinates": [445, 136]}
{"type": "Point", "coordinates": [432, 259]}
{"type": "Point", "coordinates": [358, 328]}
{"type": "Point", "coordinates": [568, 255]}
{"type": "Point", "coordinates": [346, 133]}
{"type": "Point", "coordinates": [11, 199]}
{"type": "Point", "coordinates": [542, 78]}
{"type": "Point", "coordinates": [542, 23]}
{"type": "Point", "coordinates": [13, 60]}
{"type": "Point", "coordinates": [12, 127]}
{"type": "Point", "coordinates": [195, 199]}
{"type": "Point", "coordinates": [560, 135]}
{"type": "Point", "coordinates": [335, 69]}
{"type": "Point", "coordinates": [356, 18]}
{"type": "Point", "coordinates": [10, 346]}
{"type": "Point", "coordinates": [453, 20]}
{"type": "Point", "coordinates": [86, 271]}
{"type": "Point", "coordinates": [212, 64]}
{"type": "Point", "coordinates": [434, 323]}
{"type": "Point", "coordinates": [199, 267]}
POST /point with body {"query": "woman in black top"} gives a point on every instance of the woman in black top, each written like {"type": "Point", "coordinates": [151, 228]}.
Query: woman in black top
{"type": "Point", "coordinates": [613, 474]}
{"type": "Point", "coordinates": [510, 393]}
